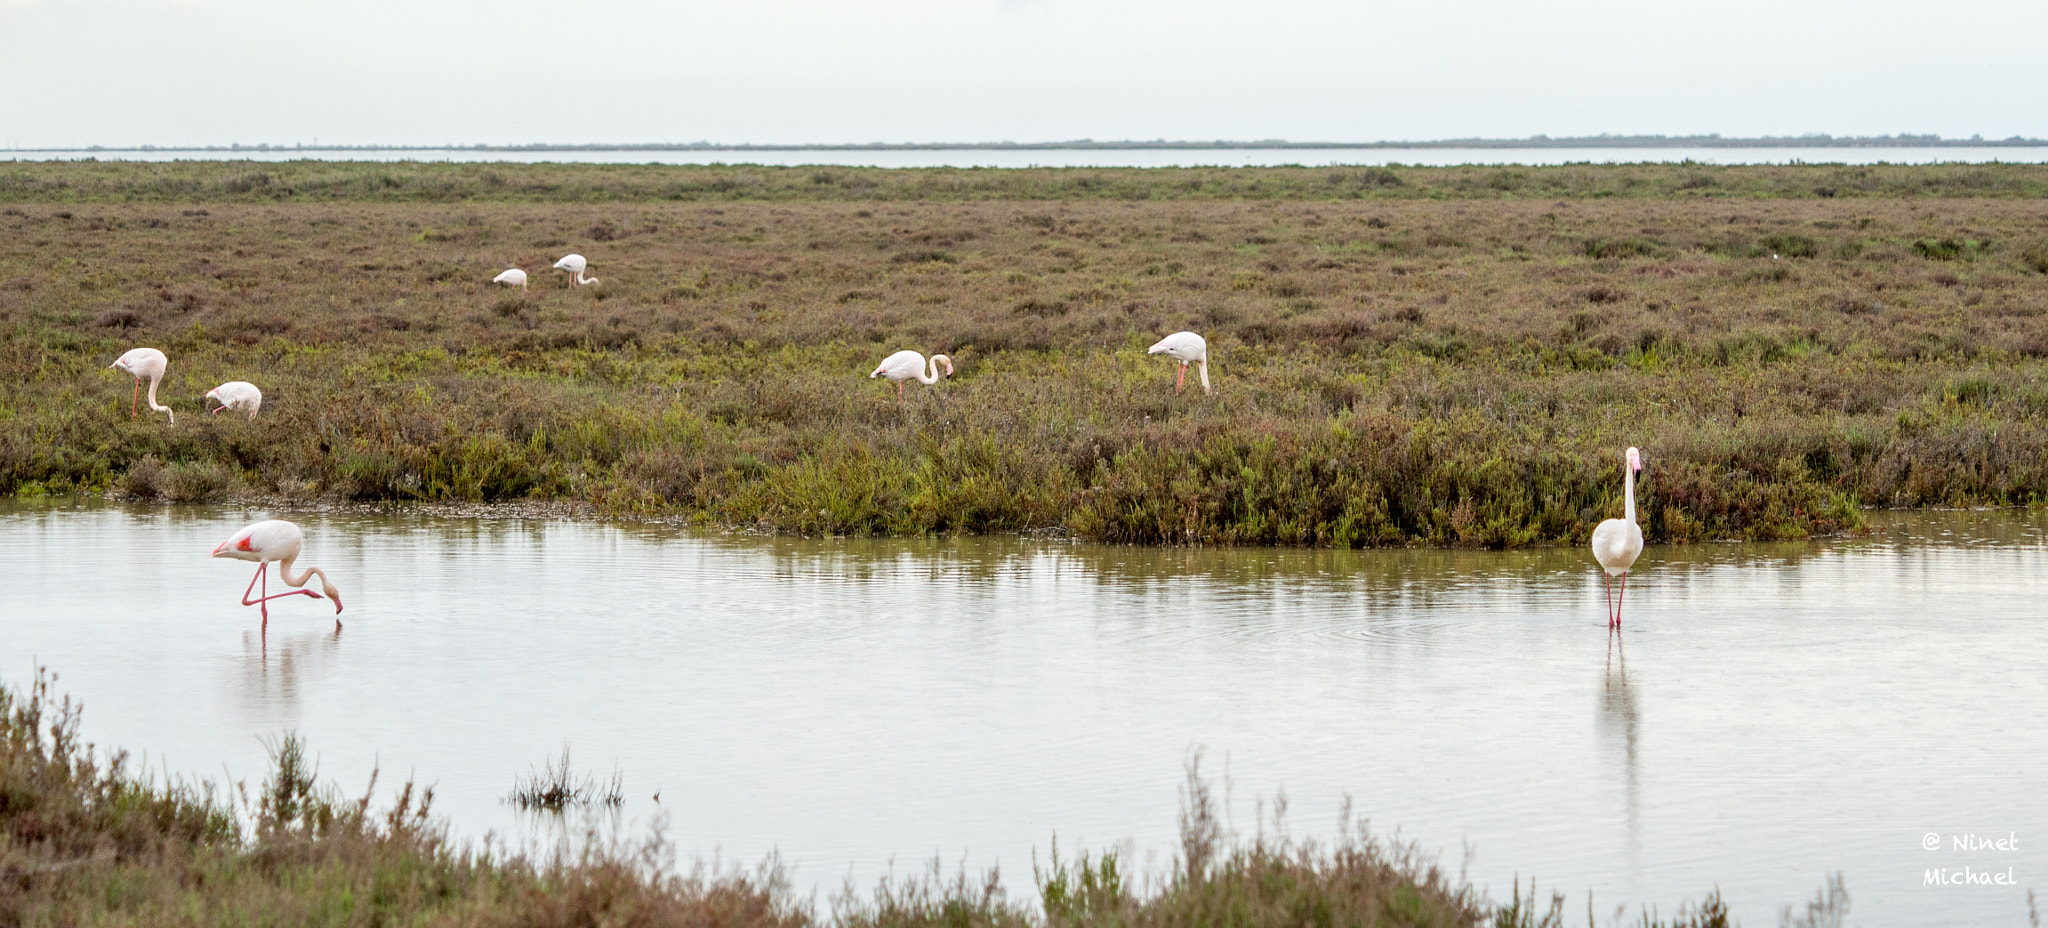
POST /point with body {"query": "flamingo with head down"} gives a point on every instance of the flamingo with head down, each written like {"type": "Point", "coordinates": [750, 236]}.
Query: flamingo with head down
{"type": "Point", "coordinates": [1187, 348]}
{"type": "Point", "coordinates": [575, 264]}
{"type": "Point", "coordinates": [238, 395]}
{"type": "Point", "coordinates": [144, 362]}
{"type": "Point", "coordinates": [908, 365]}
{"type": "Point", "coordinates": [280, 541]}
{"type": "Point", "coordinates": [512, 277]}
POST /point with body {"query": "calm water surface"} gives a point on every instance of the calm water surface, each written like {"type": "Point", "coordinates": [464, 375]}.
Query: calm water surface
{"type": "Point", "coordinates": [1107, 158]}
{"type": "Point", "coordinates": [1772, 713]}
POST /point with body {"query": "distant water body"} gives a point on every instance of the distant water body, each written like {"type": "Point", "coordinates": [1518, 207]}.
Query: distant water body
{"type": "Point", "coordinates": [1098, 157]}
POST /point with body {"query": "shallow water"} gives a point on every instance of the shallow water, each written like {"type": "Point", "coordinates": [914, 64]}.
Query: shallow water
{"type": "Point", "coordinates": [1098, 157]}
{"type": "Point", "coordinates": [1771, 714]}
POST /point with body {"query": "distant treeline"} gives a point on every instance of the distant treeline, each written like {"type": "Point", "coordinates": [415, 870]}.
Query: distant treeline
{"type": "Point", "coordinates": [448, 182]}
{"type": "Point", "coordinates": [1715, 140]}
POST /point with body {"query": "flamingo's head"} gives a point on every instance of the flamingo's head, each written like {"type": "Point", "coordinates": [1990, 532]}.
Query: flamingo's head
{"type": "Point", "coordinates": [117, 365]}
{"type": "Point", "coordinates": [237, 547]}
{"type": "Point", "coordinates": [213, 394]}
{"type": "Point", "coordinates": [1635, 460]}
{"type": "Point", "coordinates": [332, 594]}
{"type": "Point", "coordinates": [878, 371]}
{"type": "Point", "coordinates": [947, 363]}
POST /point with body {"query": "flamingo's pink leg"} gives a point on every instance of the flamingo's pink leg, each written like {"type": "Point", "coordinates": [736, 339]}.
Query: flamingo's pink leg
{"type": "Point", "coordinates": [1181, 377]}
{"type": "Point", "coordinates": [1618, 598]}
{"type": "Point", "coordinates": [1606, 595]}
{"type": "Point", "coordinates": [899, 391]}
{"type": "Point", "coordinates": [263, 575]}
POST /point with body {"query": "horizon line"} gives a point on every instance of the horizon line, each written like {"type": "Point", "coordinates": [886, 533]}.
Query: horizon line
{"type": "Point", "coordinates": [1604, 140]}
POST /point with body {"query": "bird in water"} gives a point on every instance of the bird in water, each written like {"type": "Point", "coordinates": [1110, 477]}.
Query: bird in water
{"type": "Point", "coordinates": [280, 541]}
{"type": "Point", "coordinates": [575, 264]}
{"type": "Point", "coordinates": [144, 362]}
{"type": "Point", "coordinates": [513, 277]}
{"type": "Point", "coordinates": [238, 395]}
{"type": "Point", "coordinates": [906, 365]}
{"type": "Point", "coordinates": [1187, 348]}
{"type": "Point", "coordinates": [1617, 542]}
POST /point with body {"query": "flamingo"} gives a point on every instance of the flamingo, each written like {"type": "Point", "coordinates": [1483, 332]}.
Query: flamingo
{"type": "Point", "coordinates": [144, 362]}
{"type": "Point", "coordinates": [1187, 348]}
{"type": "Point", "coordinates": [906, 364]}
{"type": "Point", "coordinates": [513, 277]}
{"type": "Point", "coordinates": [1617, 542]}
{"type": "Point", "coordinates": [238, 395]}
{"type": "Point", "coordinates": [275, 540]}
{"type": "Point", "coordinates": [575, 264]}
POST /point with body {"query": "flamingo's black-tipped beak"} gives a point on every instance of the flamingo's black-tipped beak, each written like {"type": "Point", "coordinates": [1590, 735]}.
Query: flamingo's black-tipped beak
{"type": "Point", "coordinates": [337, 602]}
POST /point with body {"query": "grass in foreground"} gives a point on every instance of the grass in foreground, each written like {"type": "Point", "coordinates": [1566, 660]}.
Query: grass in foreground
{"type": "Point", "coordinates": [1399, 370]}
{"type": "Point", "coordinates": [85, 840]}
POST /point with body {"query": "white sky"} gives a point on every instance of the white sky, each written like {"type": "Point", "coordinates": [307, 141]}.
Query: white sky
{"type": "Point", "coordinates": [170, 72]}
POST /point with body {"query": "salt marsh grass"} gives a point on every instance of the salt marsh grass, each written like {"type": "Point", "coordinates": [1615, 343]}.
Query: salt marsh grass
{"type": "Point", "coordinates": [1438, 360]}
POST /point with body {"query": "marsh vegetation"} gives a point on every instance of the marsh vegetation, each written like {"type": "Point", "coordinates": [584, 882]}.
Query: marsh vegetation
{"type": "Point", "coordinates": [1402, 356]}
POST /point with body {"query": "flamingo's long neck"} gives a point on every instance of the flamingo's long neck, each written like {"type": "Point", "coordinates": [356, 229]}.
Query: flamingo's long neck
{"type": "Point", "coordinates": [1628, 492]}
{"type": "Point", "coordinates": [930, 375]}
{"type": "Point", "coordinates": [1205, 375]}
{"type": "Point", "coordinates": [284, 570]}
{"type": "Point", "coordinates": [585, 281]}
{"type": "Point", "coordinates": [153, 407]}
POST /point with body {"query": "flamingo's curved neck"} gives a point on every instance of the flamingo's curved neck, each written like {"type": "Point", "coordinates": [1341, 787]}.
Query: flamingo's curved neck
{"type": "Point", "coordinates": [1205, 374]}
{"type": "Point", "coordinates": [930, 375]}
{"type": "Point", "coordinates": [585, 281]}
{"type": "Point", "coordinates": [1628, 492]}
{"type": "Point", "coordinates": [284, 570]}
{"type": "Point", "coordinates": [153, 407]}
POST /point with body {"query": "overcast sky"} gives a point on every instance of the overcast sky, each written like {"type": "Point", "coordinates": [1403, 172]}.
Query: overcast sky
{"type": "Point", "coordinates": [170, 72]}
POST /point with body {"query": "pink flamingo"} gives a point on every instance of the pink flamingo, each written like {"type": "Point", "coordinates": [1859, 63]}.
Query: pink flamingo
{"type": "Point", "coordinates": [144, 362]}
{"type": "Point", "coordinates": [1187, 348]}
{"type": "Point", "coordinates": [275, 540]}
{"type": "Point", "coordinates": [1618, 542]}
{"type": "Point", "coordinates": [906, 364]}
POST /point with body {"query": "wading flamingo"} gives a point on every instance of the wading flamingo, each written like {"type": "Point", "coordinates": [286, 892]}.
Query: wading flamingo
{"type": "Point", "coordinates": [275, 540]}
{"type": "Point", "coordinates": [238, 395]}
{"type": "Point", "coordinates": [906, 364]}
{"type": "Point", "coordinates": [1617, 542]}
{"type": "Point", "coordinates": [1187, 348]}
{"type": "Point", "coordinates": [575, 264]}
{"type": "Point", "coordinates": [513, 277]}
{"type": "Point", "coordinates": [144, 362]}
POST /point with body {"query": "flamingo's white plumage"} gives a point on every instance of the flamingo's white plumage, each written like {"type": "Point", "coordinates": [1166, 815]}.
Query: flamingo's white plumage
{"type": "Point", "coordinates": [144, 362]}
{"type": "Point", "coordinates": [1617, 542]}
{"type": "Point", "coordinates": [280, 541]}
{"type": "Point", "coordinates": [1187, 348]}
{"type": "Point", "coordinates": [238, 395]}
{"type": "Point", "coordinates": [575, 264]}
{"type": "Point", "coordinates": [908, 365]}
{"type": "Point", "coordinates": [513, 277]}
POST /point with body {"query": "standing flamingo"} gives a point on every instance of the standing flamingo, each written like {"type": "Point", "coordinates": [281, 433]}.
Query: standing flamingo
{"type": "Point", "coordinates": [906, 364]}
{"type": "Point", "coordinates": [512, 277]}
{"type": "Point", "coordinates": [575, 264]}
{"type": "Point", "coordinates": [1617, 542]}
{"type": "Point", "coordinates": [1187, 348]}
{"type": "Point", "coordinates": [275, 540]}
{"type": "Point", "coordinates": [144, 362]}
{"type": "Point", "coordinates": [238, 395]}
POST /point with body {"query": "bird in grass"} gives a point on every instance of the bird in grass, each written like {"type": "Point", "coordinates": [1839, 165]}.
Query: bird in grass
{"type": "Point", "coordinates": [144, 362]}
{"type": "Point", "coordinates": [1187, 348]}
{"type": "Point", "coordinates": [1617, 542]}
{"type": "Point", "coordinates": [280, 541]}
{"type": "Point", "coordinates": [238, 395]}
{"type": "Point", "coordinates": [513, 277]}
{"type": "Point", "coordinates": [575, 264]}
{"type": "Point", "coordinates": [906, 365]}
